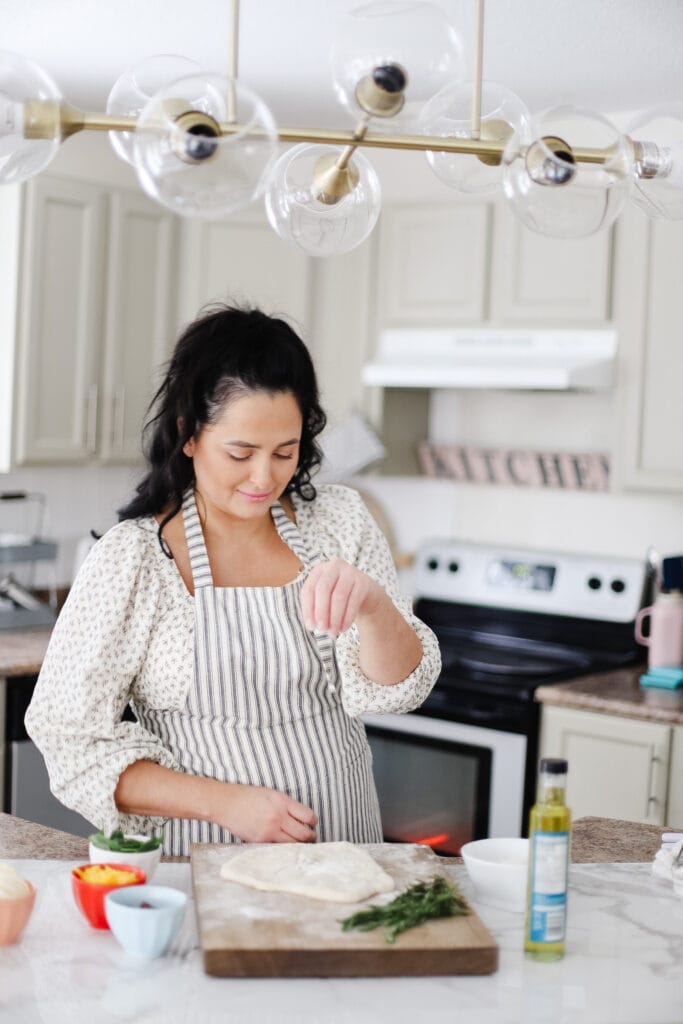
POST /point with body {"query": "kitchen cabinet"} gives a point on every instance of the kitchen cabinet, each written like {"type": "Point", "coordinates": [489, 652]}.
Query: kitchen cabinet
{"type": "Point", "coordinates": [618, 767]}
{"type": "Point", "coordinates": [95, 293]}
{"type": "Point", "coordinates": [674, 814]}
{"type": "Point", "coordinates": [240, 260]}
{"type": "Point", "coordinates": [433, 264]}
{"type": "Point", "coordinates": [549, 282]}
{"type": "Point", "coordinates": [649, 255]}
{"type": "Point", "coordinates": [473, 262]}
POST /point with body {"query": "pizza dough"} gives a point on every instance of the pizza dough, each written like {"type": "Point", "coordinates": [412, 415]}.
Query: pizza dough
{"type": "Point", "coordinates": [339, 872]}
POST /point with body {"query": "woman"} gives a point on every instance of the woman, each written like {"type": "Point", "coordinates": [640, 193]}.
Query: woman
{"type": "Point", "coordinates": [246, 617]}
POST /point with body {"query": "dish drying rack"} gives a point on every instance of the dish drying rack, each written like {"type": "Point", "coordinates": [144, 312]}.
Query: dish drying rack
{"type": "Point", "coordinates": [19, 607]}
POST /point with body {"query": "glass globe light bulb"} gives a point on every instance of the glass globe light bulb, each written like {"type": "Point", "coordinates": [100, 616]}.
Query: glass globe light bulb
{"type": "Point", "coordinates": [556, 194]}
{"type": "Point", "coordinates": [302, 208]}
{"type": "Point", "coordinates": [135, 88]}
{"type": "Point", "coordinates": [184, 162]}
{"type": "Point", "coordinates": [659, 196]}
{"type": "Point", "coordinates": [24, 89]}
{"type": "Point", "coordinates": [448, 114]}
{"type": "Point", "coordinates": [417, 36]}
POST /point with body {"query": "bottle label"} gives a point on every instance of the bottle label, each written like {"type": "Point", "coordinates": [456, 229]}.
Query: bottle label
{"type": "Point", "coordinates": [548, 897]}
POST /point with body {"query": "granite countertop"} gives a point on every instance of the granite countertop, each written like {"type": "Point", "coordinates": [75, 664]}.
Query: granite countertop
{"type": "Point", "coordinates": [22, 650]}
{"type": "Point", "coordinates": [617, 692]}
{"type": "Point", "coordinates": [594, 840]}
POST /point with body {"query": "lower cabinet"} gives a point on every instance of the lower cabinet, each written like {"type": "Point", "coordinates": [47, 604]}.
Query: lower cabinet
{"type": "Point", "coordinates": [618, 767]}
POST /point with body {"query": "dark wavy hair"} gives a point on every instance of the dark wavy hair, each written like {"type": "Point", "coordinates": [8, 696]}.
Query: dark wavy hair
{"type": "Point", "coordinates": [225, 353]}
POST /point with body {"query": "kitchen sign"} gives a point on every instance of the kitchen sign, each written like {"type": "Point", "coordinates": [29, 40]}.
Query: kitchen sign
{"type": "Point", "coordinates": [516, 467]}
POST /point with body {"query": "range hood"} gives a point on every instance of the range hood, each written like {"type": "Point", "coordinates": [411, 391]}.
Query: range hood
{"type": "Point", "coordinates": [549, 360]}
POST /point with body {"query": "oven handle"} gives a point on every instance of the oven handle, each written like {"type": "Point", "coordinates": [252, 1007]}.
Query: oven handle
{"type": "Point", "coordinates": [482, 713]}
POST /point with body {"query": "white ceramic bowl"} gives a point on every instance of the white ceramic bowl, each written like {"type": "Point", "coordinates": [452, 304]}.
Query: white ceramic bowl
{"type": "Point", "coordinates": [148, 861]}
{"type": "Point", "coordinates": [145, 922]}
{"type": "Point", "coordinates": [498, 871]}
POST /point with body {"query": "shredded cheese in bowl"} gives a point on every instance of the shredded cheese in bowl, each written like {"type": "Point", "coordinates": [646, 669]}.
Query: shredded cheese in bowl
{"type": "Point", "coordinates": [105, 874]}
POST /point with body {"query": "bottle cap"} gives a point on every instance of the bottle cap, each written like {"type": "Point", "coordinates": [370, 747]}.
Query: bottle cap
{"type": "Point", "coordinates": [554, 765]}
{"type": "Point", "coordinates": [672, 573]}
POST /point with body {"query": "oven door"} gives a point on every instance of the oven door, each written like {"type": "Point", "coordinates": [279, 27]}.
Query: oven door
{"type": "Point", "coordinates": [444, 783]}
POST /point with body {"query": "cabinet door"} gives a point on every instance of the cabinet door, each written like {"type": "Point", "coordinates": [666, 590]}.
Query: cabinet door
{"type": "Point", "coordinates": [618, 767]}
{"type": "Point", "coordinates": [647, 312]}
{"type": "Point", "coordinates": [242, 261]}
{"type": "Point", "coordinates": [433, 264]}
{"type": "Point", "coordinates": [59, 332]}
{"type": "Point", "coordinates": [674, 812]}
{"type": "Point", "coordinates": [549, 281]}
{"type": "Point", "coordinates": [138, 331]}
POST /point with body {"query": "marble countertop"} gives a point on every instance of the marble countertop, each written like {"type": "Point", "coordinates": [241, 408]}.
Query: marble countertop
{"type": "Point", "coordinates": [617, 693]}
{"type": "Point", "coordinates": [623, 965]}
{"type": "Point", "coordinates": [623, 962]}
{"type": "Point", "coordinates": [22, 651]}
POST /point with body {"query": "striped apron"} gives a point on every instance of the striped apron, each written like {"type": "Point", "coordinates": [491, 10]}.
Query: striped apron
{"type": "Point", "coordinates": [265, 708]}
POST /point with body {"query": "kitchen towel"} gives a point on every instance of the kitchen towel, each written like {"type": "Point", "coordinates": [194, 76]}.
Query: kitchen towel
{"type": "Point", "coordinates": [668, 864]}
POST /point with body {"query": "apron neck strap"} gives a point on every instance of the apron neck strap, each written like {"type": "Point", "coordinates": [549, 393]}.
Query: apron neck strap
{"type": "Point", "coordinates": [199, 560]}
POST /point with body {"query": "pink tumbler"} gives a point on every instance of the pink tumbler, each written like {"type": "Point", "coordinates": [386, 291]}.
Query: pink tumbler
{"type": "Point", "coordinates": [665, 639]}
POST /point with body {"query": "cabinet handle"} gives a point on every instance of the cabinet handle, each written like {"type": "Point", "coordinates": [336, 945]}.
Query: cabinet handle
{"type": "Point", "coordinates": [653, 800]}
{"type": "Point", "coordinates": [91, 420]}
{"type": "Point", "coordinates": [119, 414]}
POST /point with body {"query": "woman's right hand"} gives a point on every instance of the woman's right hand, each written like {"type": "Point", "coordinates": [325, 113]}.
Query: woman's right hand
{"type": "Point", "coordinates": [257, 814]}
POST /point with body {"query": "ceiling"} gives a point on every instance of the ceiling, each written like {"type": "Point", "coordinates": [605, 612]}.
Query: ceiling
{"type": "Point", "coordinates": [609, 55]}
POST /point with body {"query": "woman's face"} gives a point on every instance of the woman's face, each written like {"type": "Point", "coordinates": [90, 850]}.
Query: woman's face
{"type": "Point", "coordinates": [244, 461]}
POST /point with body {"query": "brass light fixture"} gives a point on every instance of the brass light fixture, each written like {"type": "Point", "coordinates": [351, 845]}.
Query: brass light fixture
{"type": "Point", "coordinates": [205, 145]}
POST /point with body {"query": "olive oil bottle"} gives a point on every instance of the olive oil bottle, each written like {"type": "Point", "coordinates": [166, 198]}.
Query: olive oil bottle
{"type": "Point", "coordinates": [549, 835]}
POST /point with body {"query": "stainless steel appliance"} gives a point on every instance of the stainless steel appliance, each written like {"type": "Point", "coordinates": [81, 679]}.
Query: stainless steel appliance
{"type": "Point", "coordinates": [26, 786]}
{"type": "Point", "coordinates": [464, 765]}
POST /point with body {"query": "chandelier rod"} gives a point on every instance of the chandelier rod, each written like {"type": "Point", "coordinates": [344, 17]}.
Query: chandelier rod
{"type": "Point", "coordinates": [233, 59]}
{"type": "Point", "coordinates": [477, 72]}
{"type": "Point", "coordinates": [73, 121]}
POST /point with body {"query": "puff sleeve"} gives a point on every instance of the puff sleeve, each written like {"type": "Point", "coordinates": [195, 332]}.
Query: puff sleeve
{"type": "Point", "coordinates": [342, 525]}
{"type": "Point", "coordinates": [96, 650]}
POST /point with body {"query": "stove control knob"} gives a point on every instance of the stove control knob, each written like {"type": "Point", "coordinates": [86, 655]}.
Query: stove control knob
{"type": "Point", "coordinates": [594, 582]}
{"type": "Point", "coordinates": [453, 566]}
{"type": "Point", "coordinates": [433, 564]}
{"type": "Point", "coordinates": [618, 586]}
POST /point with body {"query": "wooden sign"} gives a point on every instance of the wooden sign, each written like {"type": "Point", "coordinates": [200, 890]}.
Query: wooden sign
{"type": "Point", "coordinates": [516, 467]}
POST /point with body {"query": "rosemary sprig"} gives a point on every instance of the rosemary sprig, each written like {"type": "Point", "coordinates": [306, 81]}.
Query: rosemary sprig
{"type": "Point", "coordinates": [420, 902]}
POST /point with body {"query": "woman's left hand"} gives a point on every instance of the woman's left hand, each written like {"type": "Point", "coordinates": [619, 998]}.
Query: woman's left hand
{"type": "Point", "coordinates": [335, 594]}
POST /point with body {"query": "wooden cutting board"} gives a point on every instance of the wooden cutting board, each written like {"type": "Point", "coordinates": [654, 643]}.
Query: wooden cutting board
{"type": "Point", "coordinates": [244, 932]}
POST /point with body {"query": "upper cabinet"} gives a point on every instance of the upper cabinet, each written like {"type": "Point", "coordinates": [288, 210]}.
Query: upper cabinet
{"type": "Point", "coordinates": [553, 282]}
{"type": "Point", "coordinates": [140, 317]}
{"type": "Point", "coordinates": [241, 260]}
{"type": "Point", "coordinates": [94, 316]}
{"type": "Point", "coordinates": [475, 263]}
{"type": "Point", "coordinates": [434, 264]}
{"type": "Point", "coordinates": [60, 310]}
{"type": "Point", "coordinates": [648, 316]}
